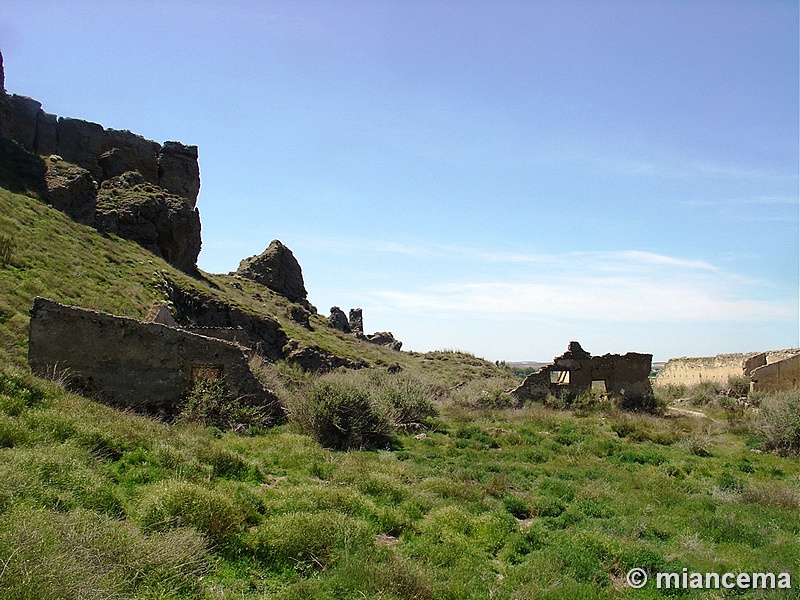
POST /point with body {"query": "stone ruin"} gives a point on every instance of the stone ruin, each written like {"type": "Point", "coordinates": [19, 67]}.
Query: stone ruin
{"type": "Point", "coordinates": [114, 180]}
{"type": "Point", "coordinates": [147, 367]}
{"type": "Point", "coordinates": [577, 371]}
{"type": "Point", "coordinates": [774, 370]}
{"type": "Point", "coordinates": [354, 324]}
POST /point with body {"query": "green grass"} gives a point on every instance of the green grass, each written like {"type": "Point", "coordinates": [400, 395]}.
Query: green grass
{"type": "Point", "coordinates": [523, 503]}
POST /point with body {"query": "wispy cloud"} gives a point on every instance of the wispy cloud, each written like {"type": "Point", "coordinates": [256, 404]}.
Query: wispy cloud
{"type": "Point", "coordinates": [617, 299]}
{"type": "Point", "coordinates": [623, 286]}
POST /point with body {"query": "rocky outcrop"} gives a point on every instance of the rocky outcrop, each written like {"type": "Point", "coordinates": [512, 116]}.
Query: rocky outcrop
{"type": "Point", "coordinates": [71, 189]}
{"type": "Point", "coordinates": [105, 153]}
{"type": "Point", "coordinates": [355, 325]}
{"type": "Point", "coordinates": [161, 222]}
{"type": "Point", "coordinates": [384, 338]}
{"type": "Point", "coordinates": [5, 106]}
{"type": "Point", "coordinates": [338, 320]}
{"type": "Point", "coordinates": [356, 321]}
{"type": "Point", "coordinates": [83, 157]}
{"type": "Point", "coordinates": [277, 269]}
{"type": "Point", "coordinates": [316, 360]}
{"type": "Point", "coordinates": [178, 170]}
{"type": "Point", "coordinates": [196, 309]}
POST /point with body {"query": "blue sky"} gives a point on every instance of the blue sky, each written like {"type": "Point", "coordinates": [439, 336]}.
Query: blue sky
{"type": "Point", "coordinates": [497, 177]}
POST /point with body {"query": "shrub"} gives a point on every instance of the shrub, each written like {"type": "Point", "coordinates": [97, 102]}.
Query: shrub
{"type": "Point", "coordinates": [739, 385]}
{"type": "Point", "coordinates": [362, 409]}
{"type": "Point", "coordinates": [209, 404]}
{"type": "Point", "coordinates": [175, 504]}
{"type": "Point", "coordinates": [779, 420]}
{"type": "Point", "coordinates": [340, 414]}
{"type": "Point", "coordinates": [407, 399]}
{"type": "Point", "coordinates": [646, 403]}
{"type": "Point", "coordinates": [310, 540]}
{"type": "Point", "coordinates": [704, 393]}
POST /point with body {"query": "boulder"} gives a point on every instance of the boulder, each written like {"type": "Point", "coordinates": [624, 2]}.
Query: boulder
{"type": "Point", "coordinates": [277, 269]}
{"type": "Point", "coordinates": [338, 320]}
{"type": "Point", "coordinates": [384, 338]}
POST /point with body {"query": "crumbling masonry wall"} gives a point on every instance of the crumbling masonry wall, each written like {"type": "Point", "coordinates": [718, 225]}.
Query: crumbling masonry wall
{"type": "Point", "coordinates": [576, 371]}
{"type": "Point", "coordinates": [780, 375]}
{"type": "Point", "coordinates": [148, 367]}
{"type": "Point", "coordinates": [720, 368]}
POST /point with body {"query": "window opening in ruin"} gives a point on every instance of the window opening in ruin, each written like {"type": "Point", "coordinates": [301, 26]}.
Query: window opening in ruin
{"type": "Point", "coordinates": [559, 377]}
{"type": "Point", "coordinates": [599, 386]}
{"type": "Point", "coordinates": [204, 372]}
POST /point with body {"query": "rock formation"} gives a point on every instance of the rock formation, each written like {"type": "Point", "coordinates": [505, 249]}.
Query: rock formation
{"type": "Point", "coordinates": [82, 173]}
{"type": "Point", "coordinates": [355, 325]}
{"type": "Point", "coordinates": [356, 321]}
{"type": "Point", "coordinates": [384, 338]}
{"type": "Point", "coordinates": [194, 308]}
{"type": "Point", "coordinates": [316, 360]}
{"type": "Point", "coordinates": [5, 105]}
{"type": "Point", "coordinates": [277, 269]}
{"type": "Point", "coordinates": [338, 320]}
{"type": "Point", "coordinates": [71, 189]}
{"type": "Point", "coordinates": [159, 221]}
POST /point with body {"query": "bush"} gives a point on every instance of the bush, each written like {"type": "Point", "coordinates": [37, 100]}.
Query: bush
{"type": "Point", "coordinates": [646, 403]}
{"type": "Point", "coordinates": [779, 420]}
{"type": "Point", "coordinates": [407, 399]}
{"type": "Point", "coordinates": [362, 409]}
{"type": "Point", "coordinates": [175, 504]}
{"type": "Point", "coordinates": [310, 540]}
{"type": "Point", "coordinates": [341, 415]}
{"type": "Point", "coordinates": [210, 405]}
{"type": "Point", "coordinates": [704, 393]}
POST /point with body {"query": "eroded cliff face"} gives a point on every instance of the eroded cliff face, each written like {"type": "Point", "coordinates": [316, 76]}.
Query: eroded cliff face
{"type": "Point", "coordinates": [114, 180]}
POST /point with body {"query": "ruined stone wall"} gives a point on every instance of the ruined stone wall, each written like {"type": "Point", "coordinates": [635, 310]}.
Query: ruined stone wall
{"type": "Point", "coordinates": [694, 370]}
{"type": "Point", "coordinates": [719, 368]}
{"type": "Point", "coordinates": [148, 367]}
{"type": "Point", "coordinates": [776, 376]}
{"type": "Point", "coordinates": [576, 371]}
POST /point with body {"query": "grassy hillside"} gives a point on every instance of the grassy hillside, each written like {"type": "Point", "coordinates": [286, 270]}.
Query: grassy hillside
{"type": "Point", "coordinates": [55, 257]}
{"type": "Point", "coordinates": [480, 501]}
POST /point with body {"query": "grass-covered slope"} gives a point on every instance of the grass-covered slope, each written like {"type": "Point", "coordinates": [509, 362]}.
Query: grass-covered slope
{"type": "Point", "coordinates": [55, 257]}
{"type": "Point", "coordinates": [514, 504]}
